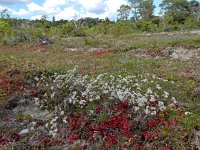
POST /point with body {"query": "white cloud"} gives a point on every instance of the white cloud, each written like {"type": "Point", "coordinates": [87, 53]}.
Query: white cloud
{"type": "Point", "coordinates": [67, 13]}
{"type": "Point", "coordinates": [12, 2]}
{"type": "Point", "coordinates": [93, 6]}
{"type": "Point", "coordinates": [2, 8]}
{"type": "Point", "coordinates": [33, 7]}
{"type": "Point", "coordinates": [67, 9]}
{"type": "Point", "coordinates": [54, 3]}
{"type": "Point", "coordinates": [100, 8]}
{"type": "Point", "coordinates": [114, 6]}
{"type": "Point", "coordinates": [36, 17]}
{"type": "Point", "coordinates": [21, 12]}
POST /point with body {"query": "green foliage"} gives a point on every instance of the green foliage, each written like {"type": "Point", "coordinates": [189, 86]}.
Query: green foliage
{"type": "Point", "coordinates": [146, 9]}
{"type": "Point", "coordinates": [191, 24]}
{"type": "Point", "coordinates": [124, 12]}
{"type": "Point", "coordinates": [5, 29]}
{"type": "Point", "coordinates": [121, 28]}
{"type": "Point", "coordinates": [146, 26]}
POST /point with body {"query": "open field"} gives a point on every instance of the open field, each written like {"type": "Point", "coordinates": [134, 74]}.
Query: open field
{"type": "Point", "coordinates": [165, 68]}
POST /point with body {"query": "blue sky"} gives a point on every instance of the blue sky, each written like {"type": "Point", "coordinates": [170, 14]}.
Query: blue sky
{"type": "Point", "coordinates": [64, 9]}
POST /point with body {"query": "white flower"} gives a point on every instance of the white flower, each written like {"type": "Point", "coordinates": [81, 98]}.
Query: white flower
{"type": "Point", "coordinates": [120, 95]}
{"type": "Point", "coordinates": [36, 78]}
{"type": "Point", "coordinates": [136, 108]}
{"type": "Point", "coordinates": [149, 91]}
{"type": "Point", "coordinates": [187, 113]}
{"type": "Point", "coordinates": [52, 95]}
{"type": "Point", "coordinates": [141, 101]}
{"type": "Point", "coordinates": [158, 86]}
{"type": "Point", "coordinates": [45, 95]}
{"type": "Point", "coordinates": [82, 102]}
{"type": "Point", "coordinates": [153, 113]}
{"type": "Point", "coordinates": [105, 92]}
{"type": "Point", "coordinates": [65, 120]}
{"type": "Point", "coordinates": [161, 105]}
{"type": "Point", "coordinates": [145, 80]}
{"type": "Point", "coordinates": [97, 97]}
{"type": "Point", "coordinates": [166, 94]}
{"type": "Point", "coordinates": [152, 99]}
{"type": "Point", "coordinates": [37, 103]}
{"type": "Point", "coordinates": [55, 130]}
{"type": "Point", "coordinates": [62, 113]}
{"type": "Point", "coordinates": [46, 125]}
{"type": "Point", "coordinates": [52, 133]}
{"type": "Point", "coordinates": [147, 110]}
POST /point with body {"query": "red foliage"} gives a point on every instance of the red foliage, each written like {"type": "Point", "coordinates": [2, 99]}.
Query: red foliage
{"type": "Point", "coordinates": [34, 94]}
{"type": "Point", "coordinates": [73, 138]}
{"type": "Point", "coordinates": [99, 108]}
{"type": "Point", "coordinates": [46, 139]}
{"type": "Point", "coordinates": [165, 147]}
{"type": "Point", "coordinates": [110, 140]}
{"type": "Point", "coordinates": [152, 123]}
{"type": "Point", "coordinates": [57, 142]}
{"type": "Point", "coordinates": [173, 123]}
{"type": "Point", "coordinates": [103, 52]}
{"type": "Point", "coordinates": [153, 103]}
{"type": "Point", "coordinates": [149, 135]}
{"type": "Point", "coordinates": [5, 86]}
{"type": "Point", "coordinates": [16, 137]}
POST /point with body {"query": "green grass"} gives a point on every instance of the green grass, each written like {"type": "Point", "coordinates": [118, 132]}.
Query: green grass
{"type": "Point", "coordinates": [129, 42]}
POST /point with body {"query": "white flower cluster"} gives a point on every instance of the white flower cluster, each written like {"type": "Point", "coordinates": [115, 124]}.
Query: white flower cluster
{"type": "Point", "coordinates": [52, 126]}
{"type": "Point", "coordinates": [71, 88]}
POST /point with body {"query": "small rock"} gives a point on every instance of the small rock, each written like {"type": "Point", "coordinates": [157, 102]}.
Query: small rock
{"type": "Point", "coordinates": [24, 131]}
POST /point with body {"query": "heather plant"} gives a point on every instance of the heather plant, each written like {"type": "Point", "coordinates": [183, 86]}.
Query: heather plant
{"type": "Point", "coordinates": [103, 111]}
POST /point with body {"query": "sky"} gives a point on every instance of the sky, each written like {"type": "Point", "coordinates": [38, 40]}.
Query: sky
{"type": "Point", "coordinates": [64, 9]}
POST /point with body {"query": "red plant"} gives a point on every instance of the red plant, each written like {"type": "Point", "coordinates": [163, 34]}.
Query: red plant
{"type": "Point", "coordinates": [99, 108]}
{"type": "Point", "coordinates": [155, 103]}
{"type": "Point", "coordinates": [34, 94]}
{"type": "Point", "coordinates": [5, 86]}
{"type": "Point", "coordinates": [152, 123]}
{"type": "Point", "coordinates": [101, 52]}
{"type": "Point", "coordinates": [57, 142]}
{"type": "Point", "coordinates": [165, 147]}
{"type": "Point", "coordinates": [110, 140]}
{"type": "Point", "coordinates": [4, 142]}
{"type": "Point", "coordinates": [149, 135]}
{"type": "Point", "coordinates": [173, 123]}
{"type": "Point", "coordinates": [46, 139]}
{"type": "Point", "coordinates": [73, 138]}
{"type": "Point", "coordinates": [16, 137]}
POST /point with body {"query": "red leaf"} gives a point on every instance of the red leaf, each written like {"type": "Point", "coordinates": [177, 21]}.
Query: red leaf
{"type": "Point", "coordinates": [152, 123]}
{"type": "Point", "coordinates": [73, 138]}
{"type": "Point", "coordinates": [45, 139]}
{"type": "Point", "coordinates": [149, 135]}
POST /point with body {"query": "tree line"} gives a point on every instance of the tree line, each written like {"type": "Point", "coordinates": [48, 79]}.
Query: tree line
{"type": "Point", "coordinates": [137, 16]}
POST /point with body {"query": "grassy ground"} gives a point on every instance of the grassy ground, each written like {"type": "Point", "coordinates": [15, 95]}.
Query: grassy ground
{"type": "Point", "coordinates": [21, 62]}
{"type": "Point", "coordinates": [27, 59]}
